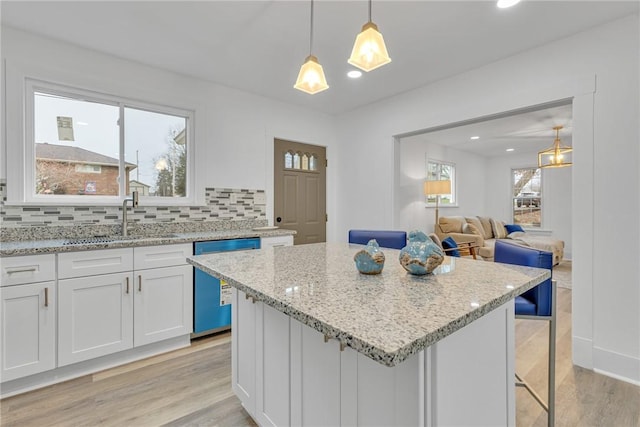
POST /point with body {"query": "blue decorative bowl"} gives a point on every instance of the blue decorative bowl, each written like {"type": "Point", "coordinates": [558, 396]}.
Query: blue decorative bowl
{"type": "Point", "coordinates": [370, 260]}
{"type": "Point", "coordinates": [420, 256]}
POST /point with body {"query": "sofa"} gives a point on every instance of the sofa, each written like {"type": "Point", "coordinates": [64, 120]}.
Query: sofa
{"type": "Point", "coordinates": [482, 232]}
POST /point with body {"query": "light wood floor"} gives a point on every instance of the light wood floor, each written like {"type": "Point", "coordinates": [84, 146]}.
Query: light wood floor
{"type": "Point", "coordinates": [192, 387]}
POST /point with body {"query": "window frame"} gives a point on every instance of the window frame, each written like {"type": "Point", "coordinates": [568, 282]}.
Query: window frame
{"type": "Point", "coordinates": [454, 185]}
{"type": "Point", "coordinates": [29, 195]}
{"type": "Point", "coordinates": [513, 198]}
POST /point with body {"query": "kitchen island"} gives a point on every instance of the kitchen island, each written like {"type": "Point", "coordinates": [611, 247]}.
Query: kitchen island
{"type": "Point", "coordinates": [317, 343]}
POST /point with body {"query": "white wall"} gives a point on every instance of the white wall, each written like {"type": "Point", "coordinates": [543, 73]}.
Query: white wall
{"type": "Point", "coordinates": [234, 130]}
{"type": "Point", "coordinates": [411, 211]}
{"type": "Point", "coordinates": [606, 293]}
{"type": "Point", "coordinates": [556, 194]}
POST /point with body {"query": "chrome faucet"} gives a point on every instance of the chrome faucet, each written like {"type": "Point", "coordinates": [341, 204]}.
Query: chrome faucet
{"type": "Point", "coordinates": [134, 203]}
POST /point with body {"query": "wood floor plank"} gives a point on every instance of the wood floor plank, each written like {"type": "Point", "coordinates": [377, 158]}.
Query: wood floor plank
{"type": "Point", "coordinates": [192, 387]}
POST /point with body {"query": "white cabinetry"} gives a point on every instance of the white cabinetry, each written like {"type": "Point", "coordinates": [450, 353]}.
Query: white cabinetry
{"type": "Point", "coordinates": [275, 241]}
{"type": "Point", "coordinates": [96, 311]}
{"type": "Point", "coordinates": [130, 303]}
{"type": "Point", "coordinates": [163, 302]}
{"type": "Point", "coordinates": [286, 373]}
{"type": "Point", "coordinates": [28, 313]}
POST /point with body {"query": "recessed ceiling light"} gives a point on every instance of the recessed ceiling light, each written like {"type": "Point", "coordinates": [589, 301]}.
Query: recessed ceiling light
{"type": "Point", "coordinates": [510, 149]}
{"type": "Point", "coordinates": [475, 137]}
{"type": "Point", "coordinates": [502, 4]}
{"type": "Point", "coordinates": [354, 74]}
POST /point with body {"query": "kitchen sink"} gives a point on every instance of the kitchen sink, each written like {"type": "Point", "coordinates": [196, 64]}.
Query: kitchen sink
{"type": "Point", "coordinates": [96, 239]}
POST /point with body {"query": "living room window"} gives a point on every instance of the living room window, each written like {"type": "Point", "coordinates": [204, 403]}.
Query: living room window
{"type": "Point", "coordinates": [526, 193]}
{"type": "Point", "coordinates": [442, 171]}
{"type": "Point", "coordinates": [85, 147]}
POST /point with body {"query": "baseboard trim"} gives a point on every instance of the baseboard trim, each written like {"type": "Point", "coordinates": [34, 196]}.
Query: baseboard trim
{"type": "Point", "coordinates": [616, 365]}
{"type": "Point", "coordinates": [65, 373]}
{"type": "Point", "coordinates": [582, 352]}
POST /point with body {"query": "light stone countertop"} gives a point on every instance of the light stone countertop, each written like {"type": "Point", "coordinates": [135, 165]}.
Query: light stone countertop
{"type": "Point", "coordinates": [46, 246]}
{"type": "Point", "coordinates": [387, 317]}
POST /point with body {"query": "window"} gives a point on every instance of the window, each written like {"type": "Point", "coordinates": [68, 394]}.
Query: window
{"type": "Point", "coordinates": [441, 171]}
{"type": "Point", "coordinates": [527, 197]}
{"type": "Point", "coordinates": [301, 161]}
{"type": "Point", "coordinates": [90, 147]}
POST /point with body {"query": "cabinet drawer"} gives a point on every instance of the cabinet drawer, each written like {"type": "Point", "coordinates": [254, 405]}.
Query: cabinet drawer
{"type": "Point", "coordinates": [275, 241]}
{"type": "Point", "coordinates": [161, 256]}
{"type": "Point", "coordinates": [27, 269]}
{"type": "Point", "coordinates": [91, 263]}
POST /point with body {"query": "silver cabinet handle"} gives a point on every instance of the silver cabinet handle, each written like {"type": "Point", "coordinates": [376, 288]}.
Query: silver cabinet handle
{"type": "Point", "coordinates": [127, 284]}
{"type": "Point", "coordinates": [46, 297]}
{"type": "Point", "coordinates": [11, 270]}
{"type": "Point", "coordinates": [139, 283]}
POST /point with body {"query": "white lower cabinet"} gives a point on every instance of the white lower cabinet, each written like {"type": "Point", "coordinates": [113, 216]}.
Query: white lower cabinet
{"type": "Point", "coordinates": [95, 318]}
{"type": "Point", "coordinates": [108, 313]}
{"type": "Point", "coordinates": [28, 329]}
{"type": "Point", "coordinates": [243, 350]}
{"type": "Point", "coordinates": [163, 304]}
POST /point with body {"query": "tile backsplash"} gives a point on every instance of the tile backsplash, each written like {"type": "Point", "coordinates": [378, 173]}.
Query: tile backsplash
{"type": "Point", "coordinates": [221, 205]}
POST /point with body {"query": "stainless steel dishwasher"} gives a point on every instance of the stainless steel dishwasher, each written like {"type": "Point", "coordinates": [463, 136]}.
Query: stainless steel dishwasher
{"type": "Point", "coordinates": [212, 297]}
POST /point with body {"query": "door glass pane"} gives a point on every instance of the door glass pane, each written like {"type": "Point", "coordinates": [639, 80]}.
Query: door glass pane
{"type": "Point", "coordinates": [288, 160]}
{"type": "Point", "coordinates": [305, 162]}
{"type": "Point", "coordinates": [76, 146]}
{"type": "Point", "coordinates": [296, 161]}
{"type": "Point", "coordinates": [313, 163]}
{"type": "Point", "coordinates": [155, 153]}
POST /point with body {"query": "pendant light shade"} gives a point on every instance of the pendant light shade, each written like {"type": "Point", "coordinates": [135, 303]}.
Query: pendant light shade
{"type": "Point", "coordinates": [369, 51]}
{"type": "Point", "coordinates": [311, 76]}
{"type": "Point", "coordinates": [556, 156]}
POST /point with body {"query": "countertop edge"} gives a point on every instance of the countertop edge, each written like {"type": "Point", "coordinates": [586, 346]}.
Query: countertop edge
{"type": "Point", "coordinates": [381, 356]}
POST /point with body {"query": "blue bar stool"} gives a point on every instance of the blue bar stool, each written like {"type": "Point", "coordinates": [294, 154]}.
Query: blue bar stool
{"type": "Point", "coordinates": [385, 238]}
{"type": "Point", "coordinates": [538, 303]}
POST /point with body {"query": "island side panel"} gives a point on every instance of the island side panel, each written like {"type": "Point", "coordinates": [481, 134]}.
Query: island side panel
{"type": "Point", "coordinates": [472, 373]}
{"type": "Point", "coordinates": [243, 350]}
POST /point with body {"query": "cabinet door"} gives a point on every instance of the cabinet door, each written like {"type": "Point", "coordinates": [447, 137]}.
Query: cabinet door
{"type": "Point", "coordinates": [163, 303]}
{"type": "Point", "coordinates": [28, 329]}
{"type": "Point", "coordinates": [243, 350]}
{"type": "Point", "coordinates": [95, 316]}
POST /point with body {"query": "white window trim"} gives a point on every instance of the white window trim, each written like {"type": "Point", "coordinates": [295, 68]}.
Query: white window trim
{"type": "Point", "coordinates": [511, 198]}
{"type": "Point", "coordinates": [28, 184]}
{"type": "Point", "coordinates": [454, 185]}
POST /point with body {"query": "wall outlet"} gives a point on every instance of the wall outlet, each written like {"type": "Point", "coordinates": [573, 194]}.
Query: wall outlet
{"type": "Point", "coordinates": [260, 199]}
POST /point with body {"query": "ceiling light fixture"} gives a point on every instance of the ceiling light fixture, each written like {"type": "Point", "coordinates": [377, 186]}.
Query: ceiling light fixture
{"type": "Point", "coordinates": [354, 74]}
{"type": "Point", "coordinates": [369, 51]}
{"type": "Point", "coordinates": [311, 76]}
{"type": "Point", "coordinates": [510, 149]}
{"type": "Point", "coordinates": [503, 4]}
{"type": "Point", "coordinates": [555, 156]}
{"type": "Point", "coordinates": [475, 137]}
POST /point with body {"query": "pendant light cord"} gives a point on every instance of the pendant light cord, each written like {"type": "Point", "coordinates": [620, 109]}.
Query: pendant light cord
{"type": "Point", "coordinates": [311, 35]}
{"type": "Point", "coordinates": [369, 10]}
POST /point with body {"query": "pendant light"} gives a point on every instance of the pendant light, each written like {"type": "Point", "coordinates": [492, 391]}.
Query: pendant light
{"type": "Point", "coordinates": [556, 156]}
{"type": "Point", "coordinates": [311, 77]}
{"type": "Point", "coordinates": [369, 51]}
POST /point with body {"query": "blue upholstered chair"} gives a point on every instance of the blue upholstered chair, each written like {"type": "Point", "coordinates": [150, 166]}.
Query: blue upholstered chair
{"type": "Point", "coordinates": [385, 238]}
{"type": "Point", "coordinates": [538, 303]}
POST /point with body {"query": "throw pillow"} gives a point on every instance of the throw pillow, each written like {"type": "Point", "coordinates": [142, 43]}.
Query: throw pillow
{"type": "Point", "coordinates": [451, 224]}
{"type": "Point", "coordinates": [513, 227]}
{"type": "Point", "coordinates": [498, 229]}
{"type": "Point", "coordinates": [476, 223]}
{"type": "Point", "coordinates": [516, 235]}
{"type": "Point", "coordinates": [486, 226]}
{"type": "Point", "coordinates": [449, 243]}
{"type": "Point", "coordinates": [471, 229]}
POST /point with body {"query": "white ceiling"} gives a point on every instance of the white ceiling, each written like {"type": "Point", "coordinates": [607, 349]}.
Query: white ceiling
{"type": "Point", "coordinates": [259, 46]}
{"type": "Point", "coordinates": [526, 132]}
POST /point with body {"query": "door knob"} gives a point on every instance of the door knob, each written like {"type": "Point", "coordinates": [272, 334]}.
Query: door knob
{"type": "Point", "coordinates": [278, 219]}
